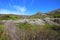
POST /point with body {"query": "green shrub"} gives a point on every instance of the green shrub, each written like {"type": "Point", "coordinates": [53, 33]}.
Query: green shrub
{"type": "Point", "coordinates": [9, 18]}
{"type": "Point", "coordinates": [55, 28]}
{"type": "Point", "coordinates": [27, 26]}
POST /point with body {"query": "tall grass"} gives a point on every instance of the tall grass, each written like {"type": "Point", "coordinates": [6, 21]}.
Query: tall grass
{"type": "Point", "coordinates": [34, 32]}
{"type": "Point", "coordinates": [1, 31]}
{"type": "Point", "coordinates": [38, 32]}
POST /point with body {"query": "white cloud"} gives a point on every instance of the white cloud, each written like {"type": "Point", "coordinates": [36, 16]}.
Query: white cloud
{"type": "Point", "coordinates": [20, 9]}
{"type": "Point", "coordinates": [5, 11]}
{"type": "Point", "coordinates": [23, 9]}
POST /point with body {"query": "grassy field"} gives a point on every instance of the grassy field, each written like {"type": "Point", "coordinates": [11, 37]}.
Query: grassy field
{"type": "Point", "coordinates": [36, 32]}
{"type": "Point", "coordinates": [39, 32]}
{"type": "Point", "coordinates": [7, 17]}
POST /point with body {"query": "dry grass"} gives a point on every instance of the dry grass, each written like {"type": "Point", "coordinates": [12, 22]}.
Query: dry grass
{"type": "Point", "coordinates": [34, 32]}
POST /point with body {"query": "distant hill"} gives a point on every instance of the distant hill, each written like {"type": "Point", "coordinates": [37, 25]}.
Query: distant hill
{"type": "Point", "coordinates": [54, 13]}
{"type": "Point", "coordinates": [11, 16]}
{"type": "Point", "coordinates": [8, 17]}
{"type": "Point", "coordinates": [38, 15]}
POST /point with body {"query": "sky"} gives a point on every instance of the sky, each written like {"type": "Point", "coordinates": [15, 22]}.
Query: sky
{"type": "Point", "coordinates": [28, 7]}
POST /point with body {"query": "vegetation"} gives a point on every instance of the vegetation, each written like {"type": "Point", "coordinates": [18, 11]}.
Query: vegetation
{"type": "Point", "coordinates": [1, 31]}
{"type": "Point", "coordinates": [9, 17]}
{"type": "Point", "coordinates": [27, 26]}
{"type": "Point", "coordinates": [31, 31]}
{"type": "Point", "coordinates": [38, 32]}
{"type": "Point", "coordinates": [54, 14]}
{"type": "Point", "coordinates": [38, 15]}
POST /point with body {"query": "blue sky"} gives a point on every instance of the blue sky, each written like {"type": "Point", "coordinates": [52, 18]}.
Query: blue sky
{"type": "Point", "coordinates": [27, 7]}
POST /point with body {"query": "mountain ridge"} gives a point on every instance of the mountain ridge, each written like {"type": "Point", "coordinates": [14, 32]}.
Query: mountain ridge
{"type": "Point", "coordinates": [37, 15]}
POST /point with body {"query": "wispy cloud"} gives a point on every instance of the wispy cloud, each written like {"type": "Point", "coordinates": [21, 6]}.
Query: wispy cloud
{"type": "Point", "coordinates": [18, 10]}
{"type": "Point", "coordinates": [22, 10]}
{"type": "Point", "coordinates": [5, 11]}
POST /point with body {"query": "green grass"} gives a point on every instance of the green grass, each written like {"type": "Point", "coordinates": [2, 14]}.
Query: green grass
{"type": "Point", "coordinates": [52, 27]}
{"type": "Point", "coordinates": [38, 31]}
{"type": "Point", "coordinates": [27, 26]}
{"type": "Point", "coordinates": [9, 18]}
{"type": "Point", "coordinates": [1, 31]}
{"type": "Point", "coordinates": [13, 17]}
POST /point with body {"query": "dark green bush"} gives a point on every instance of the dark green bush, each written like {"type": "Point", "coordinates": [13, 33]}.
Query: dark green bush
{"type": "Point", "coordinates": [55, 28]}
